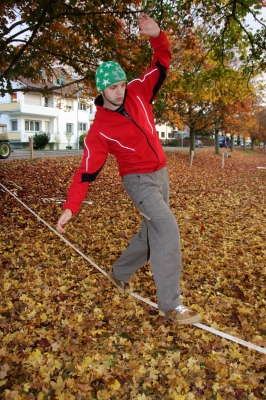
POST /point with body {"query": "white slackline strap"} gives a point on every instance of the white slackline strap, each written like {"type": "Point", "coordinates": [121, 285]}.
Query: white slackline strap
{"type": "Point", "coordinates": [52, 229]}
{"type": "Point", "coordinates": [233, 338]}
{"type": "Point", "coordinates": [197, 324]}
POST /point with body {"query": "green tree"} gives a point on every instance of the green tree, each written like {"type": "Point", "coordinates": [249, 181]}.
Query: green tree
{"type": "Point", "coordinates": [34, 36]}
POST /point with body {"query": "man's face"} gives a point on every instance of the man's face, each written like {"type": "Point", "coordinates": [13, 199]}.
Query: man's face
{"type": "Point", "coordinates": [113, 96]}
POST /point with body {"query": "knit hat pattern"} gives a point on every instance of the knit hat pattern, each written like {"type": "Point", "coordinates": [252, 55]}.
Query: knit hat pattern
{"type": "Point", "coordinates": [107, 74]}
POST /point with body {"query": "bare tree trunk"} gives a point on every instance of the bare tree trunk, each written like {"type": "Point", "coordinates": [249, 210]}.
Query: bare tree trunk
{"type": "Point", "coordinates": [192, 139]}
{"type": "Point", "coordinates": [31, 147]}
{"type": "Point", "coordinates": [252, 144]}
{"type": "Point", "coordinates": [232, 143]}
{"type": "Point", "coordinates": [216, 130]}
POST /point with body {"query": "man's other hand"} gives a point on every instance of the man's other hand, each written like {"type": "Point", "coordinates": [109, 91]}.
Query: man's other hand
{"type": "Point", "coordinates": [65, 217]}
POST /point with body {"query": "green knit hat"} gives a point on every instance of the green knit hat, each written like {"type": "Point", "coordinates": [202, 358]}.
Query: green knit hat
{"type": "Point", "coordinates": [107, 74]}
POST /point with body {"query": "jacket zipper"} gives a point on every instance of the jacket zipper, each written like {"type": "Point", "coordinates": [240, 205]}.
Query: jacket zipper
{"type": "Point", "coordinates": [125, 113]}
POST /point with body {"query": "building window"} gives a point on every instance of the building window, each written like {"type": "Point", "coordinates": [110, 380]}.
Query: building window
{"type": "Point", "coordinates": [14, 97]}
{"type": "Point", "coordinates": [171, 135]}
{"type": "Point", "coordinates": [69, 128]}
{"type": "Point", "coordinates": [91, 109]}
{"type": "Point", "coordinates": [14, 125]}
{"type": "Point", "coordinates": [43, 74]}
{"type": "Point", "coordinates": [69, 105]}
{"type": "Point", "coordinates": [162, 134]}
{"type": "Point", "coordinates": [32, 126]}
{"type": "Point", "coordinates": [46, 101]}
{"type": "Point", "coordinates": [82, 127]}
{"type": "Point", "coordinates": [82, 106]}
{"type": "Point", "coordinates": [60, 80]}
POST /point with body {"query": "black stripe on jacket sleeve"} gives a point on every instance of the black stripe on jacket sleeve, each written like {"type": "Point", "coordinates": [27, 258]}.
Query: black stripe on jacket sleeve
{"type": "Point", "coordinates": [160, 81]}
{"type": "Point", "coordinates": [90, 177]}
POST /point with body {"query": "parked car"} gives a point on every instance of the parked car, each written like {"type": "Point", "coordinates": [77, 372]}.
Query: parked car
{"type": "Point", "coordinates": [223, 142]}
{"type": "Point", "coordinates": [243, 143]}
{"type": "Point", "coordinates": [198, 143]}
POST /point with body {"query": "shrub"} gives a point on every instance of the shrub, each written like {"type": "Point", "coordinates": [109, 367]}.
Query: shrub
{"type": "Point", "coordinates": [41, 139]}
{"type": "Point", "coordinates": [81, 140]}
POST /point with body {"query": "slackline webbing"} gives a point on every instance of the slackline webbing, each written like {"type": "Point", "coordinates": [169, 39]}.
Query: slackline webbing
{"type": "Point", "coordinates": [147, 301]}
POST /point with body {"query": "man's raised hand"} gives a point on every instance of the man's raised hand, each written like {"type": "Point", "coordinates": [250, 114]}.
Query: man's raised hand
{"type": "Point", "coordinates": [147, 26]}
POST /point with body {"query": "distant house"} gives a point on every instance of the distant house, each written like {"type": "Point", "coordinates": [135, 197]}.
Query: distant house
{"type": "Point", "coordinates": [25, 113]}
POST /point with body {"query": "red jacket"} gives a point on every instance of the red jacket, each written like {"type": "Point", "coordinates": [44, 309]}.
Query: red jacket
{"type": "Point", "coordinates": [128, 133]}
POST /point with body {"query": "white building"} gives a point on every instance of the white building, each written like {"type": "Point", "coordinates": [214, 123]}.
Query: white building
{"type": "Point", "coordinates": [25, 113]}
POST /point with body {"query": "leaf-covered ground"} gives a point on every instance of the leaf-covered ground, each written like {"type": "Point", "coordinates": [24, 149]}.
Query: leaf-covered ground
{"type": "Point", "coordinates": [66, 333]}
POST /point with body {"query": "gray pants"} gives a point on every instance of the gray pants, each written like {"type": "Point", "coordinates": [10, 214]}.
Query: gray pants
{"type": "Point", "coordinates": [158, 238]}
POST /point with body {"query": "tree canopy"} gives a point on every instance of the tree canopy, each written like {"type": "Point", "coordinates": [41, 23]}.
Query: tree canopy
{"type": "Point", "coordinates": [216, 53]}
{"type": "Point", "coordinates": [78, 34]}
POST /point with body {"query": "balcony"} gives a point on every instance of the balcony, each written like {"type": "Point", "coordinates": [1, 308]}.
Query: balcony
{"type": "Point", "coordinates": [7, 107]}
{"type": "Point", "coordinates": [29, 108]}
{"type": "Point", "coordinates": [15, 135]}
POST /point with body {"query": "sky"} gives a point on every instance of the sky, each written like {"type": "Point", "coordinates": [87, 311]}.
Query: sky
{"type": "Point", "coordinates": [255, 24]}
